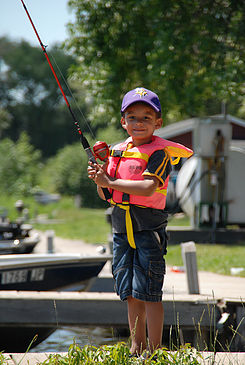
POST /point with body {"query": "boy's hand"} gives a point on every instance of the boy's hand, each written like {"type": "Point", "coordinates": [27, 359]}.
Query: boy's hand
{"type": "Point", "coordinates": [92, 169]}
{"type": "Point", "coordinates": [97, 173]}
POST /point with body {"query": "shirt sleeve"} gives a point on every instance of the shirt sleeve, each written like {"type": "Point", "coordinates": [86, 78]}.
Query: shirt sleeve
{"type": "Point", "coordinates": [158, 165]}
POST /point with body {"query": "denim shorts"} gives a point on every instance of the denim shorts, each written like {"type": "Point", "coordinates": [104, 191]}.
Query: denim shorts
{"type": "Point", "coordinates": [140, 272]}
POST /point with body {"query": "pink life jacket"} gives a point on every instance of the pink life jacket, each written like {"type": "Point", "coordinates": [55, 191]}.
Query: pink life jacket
{"type": "Point", "coordinates": [130, 163]}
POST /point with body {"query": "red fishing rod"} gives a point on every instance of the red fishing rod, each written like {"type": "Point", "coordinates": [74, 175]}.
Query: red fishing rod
{"type": "Point", "coordinates": [101, 149]}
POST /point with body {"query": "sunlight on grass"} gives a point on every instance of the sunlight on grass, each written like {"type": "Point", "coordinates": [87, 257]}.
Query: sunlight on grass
{"type": "Point", "coordinates": [210, 257]}
{"type": "Point", "coordinates": [179, 219]}
{"type": "Point", "coordinates": [88, 225]}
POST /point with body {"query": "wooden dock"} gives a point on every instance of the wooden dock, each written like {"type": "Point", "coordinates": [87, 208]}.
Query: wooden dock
{"type": "Point", "coordinates": [192, 318]}
{"type": "Point", "coordinates": [95, 309]}
{"type": "Point", "coordinates": [219, 306]}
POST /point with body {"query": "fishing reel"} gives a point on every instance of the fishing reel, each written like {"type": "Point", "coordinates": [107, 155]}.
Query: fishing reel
{"type": "Point", "coordinates": [101, 151]}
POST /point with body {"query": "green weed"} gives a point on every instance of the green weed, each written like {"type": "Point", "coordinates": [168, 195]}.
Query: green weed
{"type": "Point", "coordinates": [3, 360]}
{"type": "Point", "coordinates": [119, 354]}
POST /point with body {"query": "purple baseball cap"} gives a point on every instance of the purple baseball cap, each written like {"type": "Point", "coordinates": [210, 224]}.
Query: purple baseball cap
{"type": "Point", "coordinates": [140, 94]}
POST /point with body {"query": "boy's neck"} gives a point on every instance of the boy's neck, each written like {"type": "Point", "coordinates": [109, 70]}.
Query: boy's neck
{"type": "Point", "coordinates": [137, 143]}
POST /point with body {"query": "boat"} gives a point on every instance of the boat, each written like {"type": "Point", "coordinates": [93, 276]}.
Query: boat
{"type": "Point", "coordinates": [49, 271]}
{"type": "Point", "coordinates": [43, 272]}
{"type": "Point", "coordinates": [17, 238]}
{"type": "Point", "coordinates": [45, 198]}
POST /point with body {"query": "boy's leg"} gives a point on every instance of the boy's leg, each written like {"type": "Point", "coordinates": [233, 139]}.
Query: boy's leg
{"type": "Point", "coordinates": [154, 317]}
{"type": "Point", "coordinates": [149, 270]}
{"type": "Point", "coordinates": [137, 324]}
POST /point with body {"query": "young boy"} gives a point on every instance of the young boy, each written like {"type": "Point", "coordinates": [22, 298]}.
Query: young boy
{"type": "Point", "coordinates": [136, 176]}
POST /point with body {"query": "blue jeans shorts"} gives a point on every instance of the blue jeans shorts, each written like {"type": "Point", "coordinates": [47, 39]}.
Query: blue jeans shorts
{"type": "Point", "coordinates": [140, 272]}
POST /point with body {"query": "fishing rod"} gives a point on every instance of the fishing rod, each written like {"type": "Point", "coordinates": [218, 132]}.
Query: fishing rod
{"type": "Point", "coordinates": [100, 150]}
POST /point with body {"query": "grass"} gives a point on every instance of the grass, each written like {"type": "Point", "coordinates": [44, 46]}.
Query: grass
{"type": "Point", "coordinates": [88, 225]}
{"type": "Point", "coordinates": [210, 257]}
{"type": "Point", "coordinates": [179, 220]}
{"type": "Point", "coordinates": [91, 226]}
{"type": "Point", "coordinates": [66, 220]}
{"type": "Point", "coordinates": [118, 354]}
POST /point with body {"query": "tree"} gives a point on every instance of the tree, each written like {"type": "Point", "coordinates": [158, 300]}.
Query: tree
{"type": "Point", "coordinates": [5, 120]}
{"type": "Point", "coordinates": [190, 52]}
{"type": "Point", "coordinates": [68, 173]}
{"type": "Point", "coordinates": [31, 97]}
{"type": "Point", "coordinates": [20, 167]}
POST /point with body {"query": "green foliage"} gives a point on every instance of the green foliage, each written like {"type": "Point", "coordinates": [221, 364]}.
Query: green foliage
{"type": "Point", "coordinates": [69, 175]}
{"type": "Point", "coordinates": [5, 120]}
{"type": "Point", "coordinates": [190, 53]}
{"type": "Point", "coordinates": [185, 355]}
{"type": "Point", "coordinates": [31, 98]}
{"type": "Point", "coordinates": [119, 354]}
{"type": "Point", "coordinates": [19, 166]}
{"type": "Point", "coordinates": [111, 134]}
{"type": "Point", "coordinates": [3, 359]}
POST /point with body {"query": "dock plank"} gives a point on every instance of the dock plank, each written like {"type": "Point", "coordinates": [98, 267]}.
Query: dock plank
{"type": "Point", "coordinates": [89, 308]}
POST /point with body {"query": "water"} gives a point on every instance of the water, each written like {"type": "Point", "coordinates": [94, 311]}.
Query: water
{"type": "Point", "coordinates": [62, 338]}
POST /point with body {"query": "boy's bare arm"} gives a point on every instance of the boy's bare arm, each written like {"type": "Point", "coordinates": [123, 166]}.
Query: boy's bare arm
{"type": "Point", "coordinates": [144, 187]}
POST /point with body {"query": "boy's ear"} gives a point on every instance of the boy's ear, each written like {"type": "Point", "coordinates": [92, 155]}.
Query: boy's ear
{"type": "Point", "coordinates": [159, 123]}
{"type": "Point", "coordinates": [123, 123]}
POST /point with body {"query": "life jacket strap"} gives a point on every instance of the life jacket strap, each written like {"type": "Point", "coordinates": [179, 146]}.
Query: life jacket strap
{"type": "Point", "coordinates": [129, 154]}
{"type": "Point", "coordinates": [128, 222]}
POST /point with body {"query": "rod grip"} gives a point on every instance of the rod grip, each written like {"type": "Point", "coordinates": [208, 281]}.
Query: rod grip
{"type": "Point", "coordinates": [90, 154]}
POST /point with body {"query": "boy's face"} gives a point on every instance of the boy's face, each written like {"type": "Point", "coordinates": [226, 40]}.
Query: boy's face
{"type": "Point", "coordinates": [140, 121]}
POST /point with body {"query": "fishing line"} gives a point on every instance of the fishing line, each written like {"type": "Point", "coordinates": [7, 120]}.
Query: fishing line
{"type": "Point", "coordinates": [72, 96]}
{"type": "Point", "coordinates": [83, 139]}
{"type": "Point", "coordinates": [101, 150]}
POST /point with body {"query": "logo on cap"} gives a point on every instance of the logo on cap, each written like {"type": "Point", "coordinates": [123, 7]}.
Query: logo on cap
{"type": "Point", "coordinates": [140, 91]}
